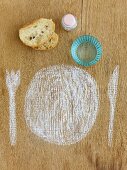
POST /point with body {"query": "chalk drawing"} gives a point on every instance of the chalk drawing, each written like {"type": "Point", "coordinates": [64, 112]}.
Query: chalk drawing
{"type": "Point", "coordinates": [61, 104]}
{"type": "Point", "coordinates": [12, 82]}
{"type": "Point", "coordinates": [112, 94]}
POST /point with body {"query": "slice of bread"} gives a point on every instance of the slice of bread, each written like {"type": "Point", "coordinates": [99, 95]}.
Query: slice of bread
{"type": "Point", "coordinates": [40, 34]}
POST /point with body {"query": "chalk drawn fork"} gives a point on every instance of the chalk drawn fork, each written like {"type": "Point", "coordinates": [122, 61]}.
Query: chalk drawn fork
{"type": "Point", "coordinates": [12, 82]}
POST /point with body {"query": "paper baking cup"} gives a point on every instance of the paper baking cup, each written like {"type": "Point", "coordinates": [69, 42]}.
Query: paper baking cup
{"type": "Point", "coordinates": [86, 39]}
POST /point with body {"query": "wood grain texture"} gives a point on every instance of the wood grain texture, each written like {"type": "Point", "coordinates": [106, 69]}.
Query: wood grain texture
{"type": "Point", "coordinates": [105, 19]}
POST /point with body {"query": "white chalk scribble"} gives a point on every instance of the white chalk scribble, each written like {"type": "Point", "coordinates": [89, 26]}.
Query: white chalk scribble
{"type": "Point", "coordinates": [112, 94]}
{"type": "Point", "coordinates": [12, 82]}
{"type": "Point", "coordinates": [61, 104]}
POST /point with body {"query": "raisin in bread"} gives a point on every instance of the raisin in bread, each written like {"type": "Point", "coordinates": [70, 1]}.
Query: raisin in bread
{"type": "Point", "coordinates": [40, 34]}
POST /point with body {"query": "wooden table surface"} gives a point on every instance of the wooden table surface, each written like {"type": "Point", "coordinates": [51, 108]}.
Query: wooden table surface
{"type": "Point", "coordinates": [104, 19]}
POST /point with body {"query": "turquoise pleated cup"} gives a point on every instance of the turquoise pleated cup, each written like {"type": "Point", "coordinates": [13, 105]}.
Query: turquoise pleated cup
{"type": "Point", "coordinates": [92, 43]}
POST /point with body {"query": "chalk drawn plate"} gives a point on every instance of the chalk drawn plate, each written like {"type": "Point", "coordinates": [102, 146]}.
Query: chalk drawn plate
{"type": "Point", "coordinates": [61, 104]}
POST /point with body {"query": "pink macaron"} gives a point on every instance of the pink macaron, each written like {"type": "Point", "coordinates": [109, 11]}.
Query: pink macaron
{"type": "Point", "coordinates": [69, 22]}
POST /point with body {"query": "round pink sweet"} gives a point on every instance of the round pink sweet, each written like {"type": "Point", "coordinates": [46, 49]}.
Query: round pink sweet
{"type": "Point", "coordinates": [69, 20]}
